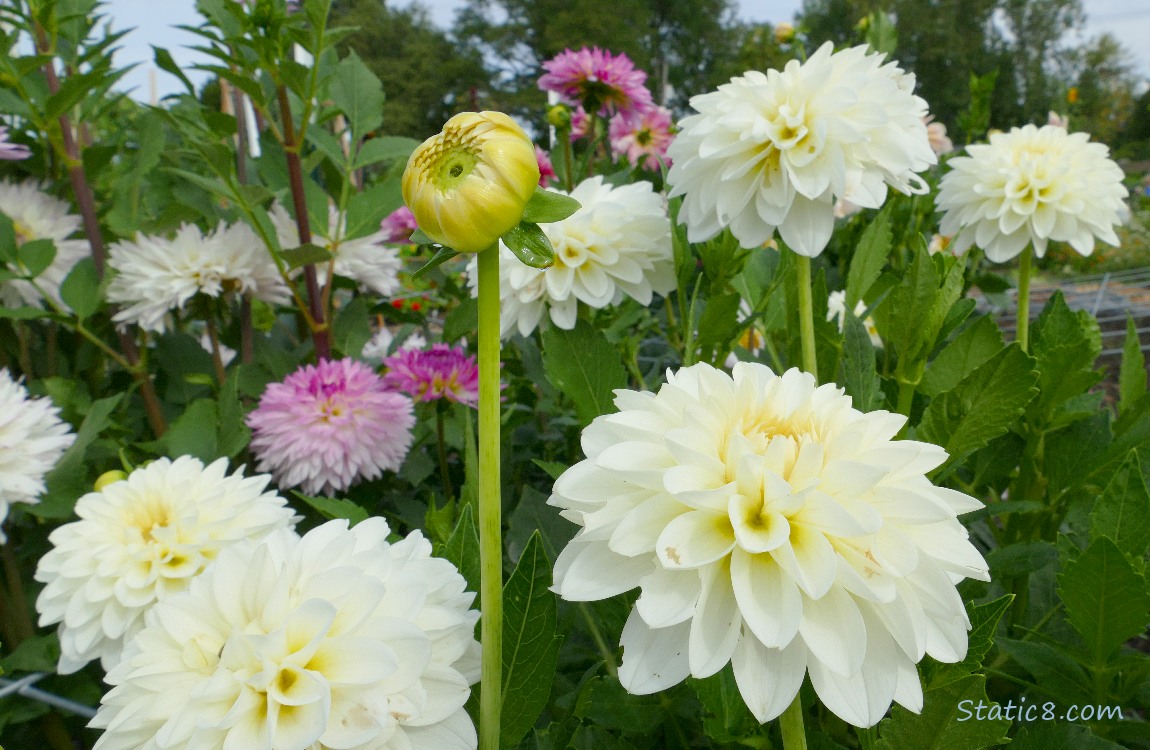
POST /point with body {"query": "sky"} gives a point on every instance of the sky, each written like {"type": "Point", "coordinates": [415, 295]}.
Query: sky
{"type": "Point", "coordinates": [1129, 20]}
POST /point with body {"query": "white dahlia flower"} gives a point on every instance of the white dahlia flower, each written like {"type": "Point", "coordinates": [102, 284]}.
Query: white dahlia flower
{"type": "Point", "coordinates": [1030, 186]}
{"type": "Point", "coordinates": [156, 275]}
{"type": "Point", "coordinates": [617, 244]}
{"type": "Point", "coordinates": [338, 640]}
{"type": "Point", "coordinates": [770, 525]}
{"type": "Point", "coordinates": [365, 260]}
{"type": "Point", "coordinates": [38, 216]}
{"type": "Point", "coordinates": [141, 540]}
{"type": "Point", "coordinates": [32, 440]}
{"type": "Point", "coordinates": [837, 311]}
{"type": "Point", "coordinates": [776, 150]}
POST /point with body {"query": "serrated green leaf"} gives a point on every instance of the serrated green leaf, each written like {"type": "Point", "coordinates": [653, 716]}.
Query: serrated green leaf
{"type": "Point", "coordinates": [1020, 558]}
{"type": "Point", "coordinates": [1122, 513]}
{"type": "Point", "coordinates": [358, 94]}
{"type": "Point", "coordinates": [352, 327]}
{"type": "Point", "coordinates": [983, 622]}
{"type": "Point", "coordinates": [718, 326]}
{"type": "Point", "coordinates": [1056, 673]}
{"type": "Point", "coordinates": [530, 245]}
{"type": "Point", "coordinates": [164, 62]}
{"type": "Point", "coordinates": [546, 206]}
{"type": "Point", "coordinates": [860, 377]}
{"type": "Point", "coordinates": [37, 653]}
{"type": "Point", "coordinates": [605, 704]}
{"type": "Point", "coordinates": [80, 289]}
{"type": "Point", "coordinates": [947, 721]}
{"type": "Point", "coordinates": [366, 209]}
{"type": "Point", "coordinates": [295, 257]}
{"type": "Point", "coordinates": [462, 548]}
{"type": "Point", "coordinates": [726, 717]}
{"type": "Point", "coordinates": [982, 406]}
{"type": "Point", "coordinates": [1132, 373]}
{"type": "Point", "coordinates": [869, 258]}
{"type": "Point", "coordinates": [979, 342]}
{"type": "Point", "coordinates": [193, 433]}
{"type": "Point", "coordinates": [530, 645]}
{"type": "Point", "coordinates": [1065, 345]}
{"type": "Point", "coordinates": [385, 148]}
{"type": "Point", "coordinates": [442, 255]}
{"type": "Point", "coordinates": [461, 321]}
{"type": "Point", "coordinates": [584, 365]}
{"type": "Point", "coordinates": [1053, 735]}
{"type": "Point", "coordinates": [234, 434]}
{"type": "Point", "coordinates": [531, 515]}
{"type": "Point", "coordinates": [69, 480]}
{"type": "Point", "coordinates": [1106, 600]}
{"type": "Point", "coordinates": [334, 507]}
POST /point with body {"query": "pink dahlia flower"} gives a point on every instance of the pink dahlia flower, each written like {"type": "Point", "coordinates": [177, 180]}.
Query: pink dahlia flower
{"type": "Point", "coordinates": [580, 123]}
{"type": "Point", "coordinates": [643, 137]}
{"type": "Point", "coordinates": [12, 151]}
{"type": "Point", "coordinates": [330, 425]}
{"type": "Point", "coordinates": [598, 80]}
{"type": "Point", "coordinates": [398, 225]}
{"type": "Point", "coordinates": [546, 168]}
{"type": "Point", "coordinates": [439, 372]}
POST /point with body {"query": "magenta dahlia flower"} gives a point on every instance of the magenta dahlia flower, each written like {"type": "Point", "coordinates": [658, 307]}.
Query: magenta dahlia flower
{"type": "Point", "coordinates": [398, 225]}
{"type": "Point", "coordinates": [642, 137]}
{"type": "Point", "coordinates": [580, 124]}
{"type": "Point", "coordinates": [439, 372]}
{"type": "Point", "coordinates": [546, 168]}
{"type": "Point", "coordinates": [12, 151]}
{"type": "Point", "coordinates": [598, 80]}
{"type": "Point", "coordinates": [330, 425]}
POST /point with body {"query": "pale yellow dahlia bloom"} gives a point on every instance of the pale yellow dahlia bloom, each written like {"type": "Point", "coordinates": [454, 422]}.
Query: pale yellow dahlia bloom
{"type": "Point", "coordinates": [1030, 186]}
{"type": "Point", "coordinates": [141, 540]}
{"type": "Point", "coordinates": [334, 641]}
{"type": "Point", "coordinates": [770, 525]}
{"type": "Point", "coordinates": [468, 185]}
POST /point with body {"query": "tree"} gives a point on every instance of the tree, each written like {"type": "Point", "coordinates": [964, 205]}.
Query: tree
{"type": "Point", "coordinates": [426, 76]}
{"type": "Point", "coordinates": [1107, 87]}
{"type": "Point", "coordinates": [1034, 39]}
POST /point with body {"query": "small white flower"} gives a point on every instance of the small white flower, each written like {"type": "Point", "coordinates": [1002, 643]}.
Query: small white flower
{"type": "Point", "coordinates": [837, 311]}
{"type": "Point", "coordinates": [32, 440]}
{"type": "Point", "coordinates": [776, 150]}
{"type": "Point", "coordinates": [365, 260]}
{"type": "Point", "coordinates": [39, 216]}
{"type": "Point", "coordinates": [139, 541]}
{"type": "Point", "coordinates": [1030, 186]}
{"type": "Point", "coordinates": [156, 275]}
{"type": "Point", "coordinates": [770, 525]}
{"type": "Point", "coordinates": [379, 346]}
{"type": "Point", "coordinates": [335, 641]}
{"type": "Point", "coordinates": [617, 244]}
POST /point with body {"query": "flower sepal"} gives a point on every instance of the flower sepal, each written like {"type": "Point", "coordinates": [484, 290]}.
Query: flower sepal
{"type": "Point", "coordinates": [530, 245]}
{"type": "Point", "coordinates": [547, 206]}
{"type": "Point", "coordinates": [442, 255]}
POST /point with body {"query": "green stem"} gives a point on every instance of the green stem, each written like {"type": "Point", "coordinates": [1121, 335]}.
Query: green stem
{"type": "Point", "coordinates": [806, 316]}
{"type": "Point", "coordinates": [605, 649]}
{"type": "Point", "coordinates": [490, 525]}
{"type": "Point", "coordinates": [1023, 337]}
{"type": "Point", "coordinates": [791, 724]}
{"type": "Point", "coordinates": [442, 443]}
{"type": "Point", "coordinates": [905, 398]}
{"type": "Point", "coordinates": [568, 160]}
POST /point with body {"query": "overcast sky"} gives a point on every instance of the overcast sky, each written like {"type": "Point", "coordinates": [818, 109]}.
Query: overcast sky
{"type": "Point", "coordinates": [1129, 20]}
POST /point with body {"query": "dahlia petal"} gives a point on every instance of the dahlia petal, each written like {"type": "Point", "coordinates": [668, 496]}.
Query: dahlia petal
{"type": "Point", "coordinates": [769, 678]}
{"type": "Point", "coordinates": [769, 600]}
{"type": "Point", "coordinates": [695, 539]}
{"type": "Point", "coordinates": [654, 659]}
{"type": "Point", "coordinates": [716, 625]}
{"type": "Point", "coordinates": [669, 597]}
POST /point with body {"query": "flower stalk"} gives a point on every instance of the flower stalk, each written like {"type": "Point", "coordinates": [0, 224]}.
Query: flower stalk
{"type": "Point", "coordinates": [490, 523]}
{"type": "Point", "coordinates": [806, 314]}
{"type": "Point", "coordinates": [1023, 331]}
{"type": "Point", "coordinates": [791, 724]}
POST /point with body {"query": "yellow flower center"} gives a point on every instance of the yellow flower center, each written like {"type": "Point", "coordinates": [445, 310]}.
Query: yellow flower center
{"type": "Point", "coordinates": [451, 159]}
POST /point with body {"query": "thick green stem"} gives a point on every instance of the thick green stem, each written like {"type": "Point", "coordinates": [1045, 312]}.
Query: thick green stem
{"type": "Point", "coordinates": [905, 398]}
{"type": "Point", "coordinates": [1023, 337]}
{"type": "Point", "coordinates": [490, 525]}
{"type": "Point", "coordinates": [441, 442]}
{"type": "Point", "coordinates": [791, 724]}
{"type": "Point", "coordinates": [806, 315]}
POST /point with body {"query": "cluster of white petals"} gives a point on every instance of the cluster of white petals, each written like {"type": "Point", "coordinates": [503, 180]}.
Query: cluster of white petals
{"type": "Point", "coordinates": [775, 150]}
{"type": "Point", "coordinates": [36, 215]}
{"type": "Point", "coordinates": [337, 640]}
{"type": "Point", "coordinates": [618, 244]}
{"type": "Point", "coordinates": [141, 540]}
{"type": "Point", "coordinates": [32, 440]}
{"type": "Point", "coordinates": [771, 525]}
{"type": "Point", "coordinates": [1030, 186]}
{"type": "Point", "coordinates": [156, 275]}
{"type": "Point", "coordinates": [365, 260]}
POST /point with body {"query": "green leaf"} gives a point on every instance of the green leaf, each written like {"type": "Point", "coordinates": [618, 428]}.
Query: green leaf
{"type": "Point", "coordinates": [358, 94]}
{"type": "Point", "coordinates": [1105, 598]}
{"type": "Point", "coordinates": [718, 327]}
{"type": "Point", "coordinates": [80, 289]}
{"type": "Point", "coordinates": [530, 645]}
{"type": "Point", "coordinates": [546, 207]}
{"type": "Point", "coordinates": [1020, 558]}
{"type": "Point", "coordinates": [69, 480]}
{"type": "Point", "coordinates": [234, 434]}
{"type": "Point", "coordinates": [38, 653]}
{"type": "Point", "coordinates": [726, 717]}
{"type": "Point", "coordinates": [1051, 735]}
{"type": "Point", "coordinates": [1132, 373]}
{"type": "Point", "coordinates": [1056, 673]}
{"type": "Point", "coordinates": [461, 320]}
{"type": "Point", "coordinates": [982, 406]}
{"type": "Point", "coordinates": [979, 342]}
{"type": "Point", "coordinates": [352, 327]}
{"type": "Point", "coordinates": [386, 148]}
{"type": "Point", "coordinates": [860, 378]}
{"type": "Point", "coordinates": [584, 365]}
{"type": "Point", "coordinates": [462, 549]}
{"type": "Point", "coordinates": [530, 245]}
{"type": "Point", "coordinates": [553, 468]}
{"type": "Point", "coordinates": [7, 239]}
{"type": "Point", "coordinates": [334, 507]}
{"type": "Point", "coordinates": [1122, 513]}
{"type": "Point", "coordinates": [194, 432]}
{"type": "Point", "coordinates": [304, 255]}
{"type": "Point", "coordinates": [531, 515]}
{"type": "Point", "coordinates": [164, 62]}
{"type": "Point", "coordinates": [1065, 344]}
{"type": "Point", "coordinates": [947, 721]}
{"type": "Point", "coordinates": [24, 313]}
{"type": "Point", "coordinates": [869, 258]}
{"type": "Point", "coordinates": [35, 256]}
{"type": "Point", "coordinates": [366, 209]}
{"type": "Point", "coordinates": [983, 622]}
{"type": "Point", "coordinates": [442, 255]}
{"type": "Point", "coordinates": [603, 703]}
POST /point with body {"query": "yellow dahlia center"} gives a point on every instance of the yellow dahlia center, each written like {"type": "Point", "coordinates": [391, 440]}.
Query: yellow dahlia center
{"type": "Point", "coordinates": [23, 232]}
{"type": "Point", "coordinates": [149, 518]}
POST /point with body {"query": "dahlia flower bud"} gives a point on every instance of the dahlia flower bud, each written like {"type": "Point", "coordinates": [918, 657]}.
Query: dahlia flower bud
{"type": "Point", "coordinates": [108, 477]}
{"type": "Point", "coordinates": [784, 32]}
{"type": "Point", "coordinates": [559, 116]}
{"type": "Point", "coordinates": [469, 184]}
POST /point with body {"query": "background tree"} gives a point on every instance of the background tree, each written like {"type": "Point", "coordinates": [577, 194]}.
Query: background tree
{"type": "Point", "coordinates": [1107, 90]}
